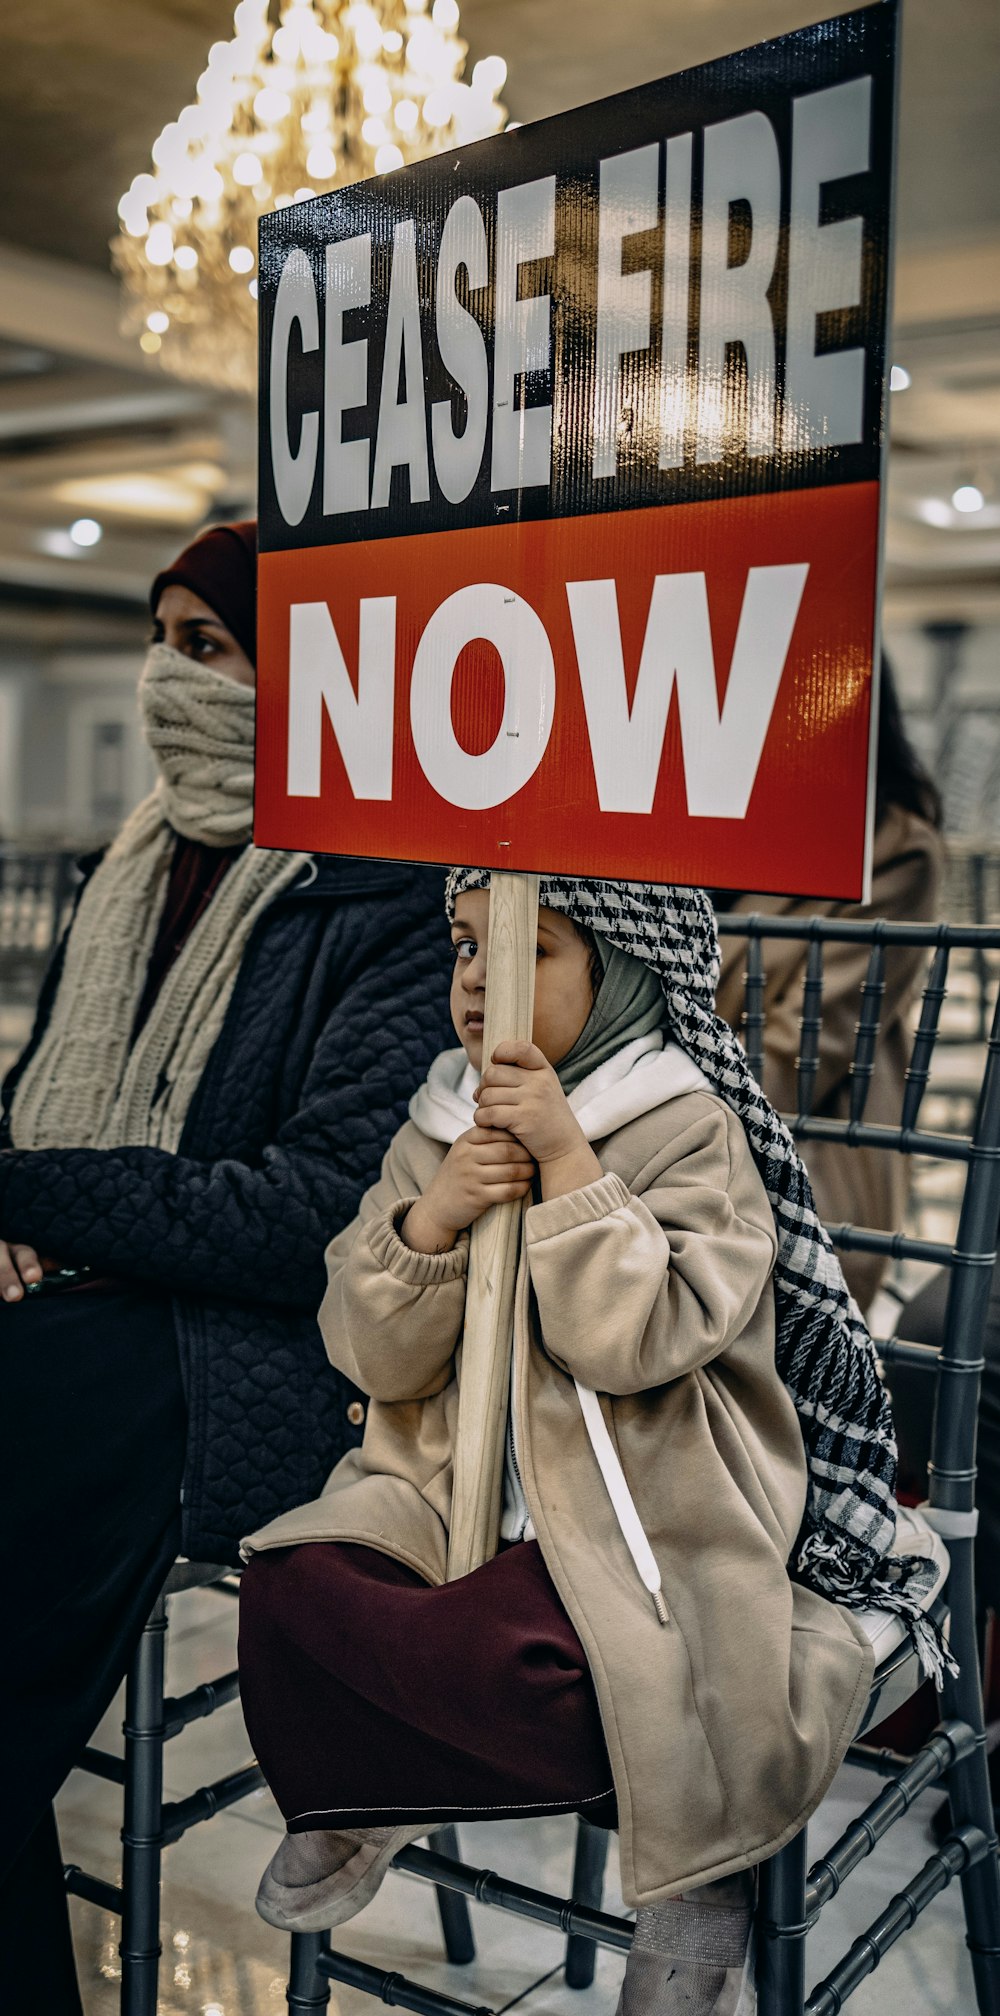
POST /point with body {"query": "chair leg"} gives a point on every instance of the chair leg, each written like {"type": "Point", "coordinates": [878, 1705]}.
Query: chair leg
{"type": "Point", "coordinates": [456, 1925]}
{"type": "Point", "coordinates": [588, 1888]}
{"type": "Point", "coordinates": [307, 1987]}
{"type": "Point", "coordinates": [969, 1786]}
{"type": "Point", "coordinates": [781, 1932]}
{"type": "Point", "coordinates": [141, 1845]}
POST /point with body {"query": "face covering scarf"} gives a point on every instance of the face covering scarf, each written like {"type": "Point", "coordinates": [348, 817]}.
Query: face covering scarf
{"type": "Point", "coordinates": [823, 1350]}
{"type": "Point", "coordinates": [87, 1085]}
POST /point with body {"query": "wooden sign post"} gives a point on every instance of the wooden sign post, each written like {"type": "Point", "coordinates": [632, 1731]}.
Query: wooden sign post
{"type": "Point", "coordinates": [496, 1241]}
{"type": "Point", "coordinates": [571, 458]}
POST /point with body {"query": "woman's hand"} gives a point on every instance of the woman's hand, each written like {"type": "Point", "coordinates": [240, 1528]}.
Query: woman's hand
{"type": "Point", "coordinates": [520, 1091]}
{"type": "Point", "coordinates": [19, 1267]}
{"type": "Point", "coordinates": [483, 1167]}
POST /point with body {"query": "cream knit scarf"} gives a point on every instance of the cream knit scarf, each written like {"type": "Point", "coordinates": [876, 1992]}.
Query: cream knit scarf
{"type": "Point", "coordinates": [88, 1085]}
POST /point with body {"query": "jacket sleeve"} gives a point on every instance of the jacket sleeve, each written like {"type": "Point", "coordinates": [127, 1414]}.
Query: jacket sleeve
{"type": "Point", "coordinates": [634, 1290]}
{"type": "Point", "coordinates": [251, 1232]}
{"type": "Point", "coordinates": [391, 1318]}
{"type": "Point", "coordinates": [905, 888]}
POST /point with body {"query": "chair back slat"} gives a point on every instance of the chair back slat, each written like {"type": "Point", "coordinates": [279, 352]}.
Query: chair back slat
{"type": "Point", "coordinates": [867, 1031]}
{"type": "Point", "coordinates": [919, 1068]}
{"type": "Point", "coordinates": [810, 1027]}
{"type": "Point", "coordinates": [975, 1149]}
{"type": "Point", "coordinates": [953, 1436]}
{"type": "Point", "coordinates": [753, 1005]}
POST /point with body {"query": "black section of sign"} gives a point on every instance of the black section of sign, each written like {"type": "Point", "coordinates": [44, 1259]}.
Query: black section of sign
{"type": "Point", "coordinates": [765, 79]}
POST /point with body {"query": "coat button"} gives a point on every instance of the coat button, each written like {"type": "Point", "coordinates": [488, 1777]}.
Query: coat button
{"type": "Point", "coordinates": [355, 1413]}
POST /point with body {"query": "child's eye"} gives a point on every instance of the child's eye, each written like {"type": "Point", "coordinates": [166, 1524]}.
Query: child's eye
{"type": "Point", "coordinates": [466, 948]}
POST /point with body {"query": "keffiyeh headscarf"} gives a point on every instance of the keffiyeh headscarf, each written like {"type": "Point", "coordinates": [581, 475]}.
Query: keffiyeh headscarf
{"type": "Point", "coordinates": [823, 1350]}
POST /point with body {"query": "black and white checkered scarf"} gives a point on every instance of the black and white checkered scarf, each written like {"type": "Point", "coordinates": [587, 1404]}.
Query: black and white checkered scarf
{"type": "Point", "coordinates": [823, 1350]}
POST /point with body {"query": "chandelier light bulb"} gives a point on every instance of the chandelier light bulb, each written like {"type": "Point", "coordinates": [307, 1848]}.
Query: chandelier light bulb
{"type": "Point", "coordinates": [247, 169]}
{"type": "Point", "coordinates": [899, 378]}
{"type": "Point", "coordinates": [489, 75]}
{"type": "Point", "coordinates": [329, 91]}
{"type": "Point", "coordinates": [388, 158]}
{"type": "Point", "coordinates": [160, 245]}
{"type": "Point", "coordinates": [158, 322]}
{"type": "Point", "coordinates": [270, 105]}
{"type": "Point", "coordinates": [377, 96]}
{"type": "Point", "coordinates": [321, 163]}
{"type": "Point", "coordinates": [437, 109]}
{"type": "Point", "coordinates": [967, 498]}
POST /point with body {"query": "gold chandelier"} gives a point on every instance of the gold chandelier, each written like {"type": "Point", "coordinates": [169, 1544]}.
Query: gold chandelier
{"type": "Point", "coordinates": [299, 101]}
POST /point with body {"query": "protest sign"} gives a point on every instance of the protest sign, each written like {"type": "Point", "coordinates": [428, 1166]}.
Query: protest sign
{"type": "Point", "coordinates": [570, 480]}
{"type": "Point", "coordinates": [570, 489]}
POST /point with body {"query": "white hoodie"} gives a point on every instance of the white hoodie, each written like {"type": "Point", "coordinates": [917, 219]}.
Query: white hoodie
{"type": "Point", "coordinates": [643, 1075]}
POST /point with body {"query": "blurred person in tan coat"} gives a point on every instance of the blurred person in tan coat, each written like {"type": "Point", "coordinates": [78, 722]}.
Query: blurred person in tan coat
{"type": "Point", "coordinates": [855, 1186]}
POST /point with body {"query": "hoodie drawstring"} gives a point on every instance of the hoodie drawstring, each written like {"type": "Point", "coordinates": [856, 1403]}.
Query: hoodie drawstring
{"type": "Point", "coordinates": [621, 1498]}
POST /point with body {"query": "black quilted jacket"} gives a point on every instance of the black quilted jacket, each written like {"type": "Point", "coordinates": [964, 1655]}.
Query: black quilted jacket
{"type": "Point", "coordinates": [340, 1004]}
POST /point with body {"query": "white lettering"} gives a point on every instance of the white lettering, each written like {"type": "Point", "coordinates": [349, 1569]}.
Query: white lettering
{"type": "Point", "coordinates": [676, 301]}
{"type": "Point", "coordinates": [522, 436]}
{"type": "Point", "coordinates": [457, 457]}
{"type": "Point", "coordinates": [722, 747]}
{"type": "Point", "coordinates": [402, 423]}
{"type": "Point", "coordinates": [628, 204]}
{"type": "Point", "coordinates": [518, 634]}
{"type": "Point", "coordinates": [295, 301]}
{"type": "Point", "coordinates": [318, 678]}
{"type": "Point", "coordinates": [824, 396]}
{"type": "Point", "coordinates": [741, 165]}
{"type": "Point", "coordinates": [345, 379]}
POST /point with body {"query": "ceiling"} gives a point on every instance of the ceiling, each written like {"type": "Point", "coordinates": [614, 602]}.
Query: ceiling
{"type": "Point", "coordinates": [85, 431]}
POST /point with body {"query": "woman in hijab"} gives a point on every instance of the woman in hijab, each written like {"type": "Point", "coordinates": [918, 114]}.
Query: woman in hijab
{"type": "Point", "coordinates": [222, 1050]}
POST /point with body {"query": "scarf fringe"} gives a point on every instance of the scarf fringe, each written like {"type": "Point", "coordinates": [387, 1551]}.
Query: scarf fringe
{"type": "Point", "coordinates": [846, 1575]}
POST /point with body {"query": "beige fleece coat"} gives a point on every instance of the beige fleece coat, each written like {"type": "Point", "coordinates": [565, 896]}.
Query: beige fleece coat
{"type": "Point", "coordinates": [853, 1186]}
{"type": "Point", "coordinates": [653, 1286]}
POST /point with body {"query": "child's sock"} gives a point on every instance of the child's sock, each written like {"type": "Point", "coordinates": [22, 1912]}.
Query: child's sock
{"type": "Point", "coordinates": [688, 1957]}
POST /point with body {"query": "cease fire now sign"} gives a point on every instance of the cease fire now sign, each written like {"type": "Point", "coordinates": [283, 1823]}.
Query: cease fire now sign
{"type": "Point", "coordinates": [570, 485]}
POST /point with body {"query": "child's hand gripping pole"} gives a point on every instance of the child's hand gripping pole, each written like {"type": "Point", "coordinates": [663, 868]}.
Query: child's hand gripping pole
{"type": "Point", "coordinates": [496, 1243]}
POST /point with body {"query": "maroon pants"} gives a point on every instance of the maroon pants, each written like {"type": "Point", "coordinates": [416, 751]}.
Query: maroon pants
{"type": "Point", "coordinates": [373, 1699]}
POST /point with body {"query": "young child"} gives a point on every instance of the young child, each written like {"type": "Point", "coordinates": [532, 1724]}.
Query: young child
{"type": "Point", "coordinates": [636, 1651]}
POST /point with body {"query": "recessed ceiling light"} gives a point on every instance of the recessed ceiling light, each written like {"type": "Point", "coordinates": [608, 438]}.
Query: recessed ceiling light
{"type": "Point", "coordinates": [86, 532]}
{"type": "Point", "coordinates": [968, 497]}
{"type": "Point", "coordinates": [899, 378]}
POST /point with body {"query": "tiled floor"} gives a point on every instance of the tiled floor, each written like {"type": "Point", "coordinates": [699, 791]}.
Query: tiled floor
{"type": "Point", "coordinates": [221, 1960]}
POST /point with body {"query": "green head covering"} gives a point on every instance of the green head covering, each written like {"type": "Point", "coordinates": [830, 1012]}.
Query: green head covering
{"type": "Point", "coordinates": [629, 1002]}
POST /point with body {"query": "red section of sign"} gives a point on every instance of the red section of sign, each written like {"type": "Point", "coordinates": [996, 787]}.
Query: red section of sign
{"type": "Point", "coordinates": [803, 832]}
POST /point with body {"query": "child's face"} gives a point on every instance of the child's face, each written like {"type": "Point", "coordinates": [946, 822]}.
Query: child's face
{"type": "Point", "coordinates": [564, 993]}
